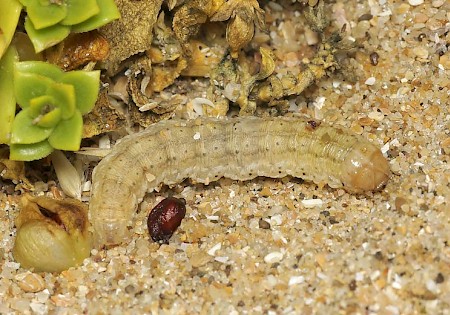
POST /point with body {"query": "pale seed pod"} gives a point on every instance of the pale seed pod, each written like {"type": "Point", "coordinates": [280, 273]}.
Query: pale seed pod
{"type": "Point", "coordinates": [240, 31]}
{"type": "Point", "coordinates": [67, 174]}
{"type": "Point", "coordinates": [52, 235]}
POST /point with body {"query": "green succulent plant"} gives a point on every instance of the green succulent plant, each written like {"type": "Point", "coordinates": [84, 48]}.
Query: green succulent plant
{"type": "Point", "coordinates": [8, 101]}
{"type": "Point", "coordinates": [52, 103]}
{"type": "Point", "coordinates": [50, 21]}
{"type": "Point", "coordinates": [9, 17]}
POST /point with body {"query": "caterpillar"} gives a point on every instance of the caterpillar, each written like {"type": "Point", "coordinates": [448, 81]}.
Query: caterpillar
{"type": "Point", "coordinates": [206, 149]}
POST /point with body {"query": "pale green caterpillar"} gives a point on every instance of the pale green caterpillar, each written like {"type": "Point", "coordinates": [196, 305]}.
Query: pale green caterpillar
{"type": "Point", "coordinates": [243, 148]}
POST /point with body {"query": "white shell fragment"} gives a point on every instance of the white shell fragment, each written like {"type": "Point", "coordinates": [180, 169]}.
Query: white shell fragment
{"type": "Point", "coordinates": [370, 81]}
{"type": "Point", "coordinates": [273, 257]}
{"type": "Point", "coordinates": [311, 203]}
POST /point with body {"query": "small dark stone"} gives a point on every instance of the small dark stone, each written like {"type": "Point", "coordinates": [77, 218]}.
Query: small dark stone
{"type": "Point", "coordinates": [421, 37]}
{"type": "Point", "coordinates": [263, 224]}
{"type": "Point", "coordinates": [130, 289]}
{"type": "Point", "coordinates": [365, 17]}
{"type": "Point", "coordinates": [439, 278]}
{"type": "Point", "coordinates": [352, 285]}
{"type": "Point", "coordinates": [379, 255]}
{"type": "Point", "coordinates": [228, 270]}
{"type": "Point", "coordinates": [374, 57]}
{"type": "Point", "coordinates": [333, 220]}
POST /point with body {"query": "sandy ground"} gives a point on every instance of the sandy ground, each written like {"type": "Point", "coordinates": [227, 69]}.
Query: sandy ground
{"type": "Point", "coordinates": [262, 247]}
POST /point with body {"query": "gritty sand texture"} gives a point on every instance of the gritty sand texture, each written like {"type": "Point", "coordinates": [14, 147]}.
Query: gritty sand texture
{"type": "Point", "coordinates": [286, 246]}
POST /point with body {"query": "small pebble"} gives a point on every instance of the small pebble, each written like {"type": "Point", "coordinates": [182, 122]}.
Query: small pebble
{"type": "Point", "coordinates": [374, 59]}
{"type": "Point", "coordinates": [30, 282]}
{"type": "Point", "coordinates": [263, 224]}
{"type": "Point", "coordinates": [378, 116]}
{"type": "Point", "coordinates": [370, 81]}
{"type": "Point", "coordinates": [444, 60]}
{"type": "Point", "coordinates": [212, 251]}
{"type": "Point", "coordinates": [421, 37]}
{"type": "Point", "coordinates": [311, 203]}
{"type": "Point", "coordinates": [273, 257]}
{"type": "Point", "coordinates": [365, 17]}
{"type": "Point", "coordinates": [439, 278]}
{"type": "Point", "coordinates": [437, 3]}
{"type": "Point", "coordinates": [415, 2]}
{"type": "Point", "coordinates": [421, 52]}
{"type": "Point", "coordinates": [296, 280]}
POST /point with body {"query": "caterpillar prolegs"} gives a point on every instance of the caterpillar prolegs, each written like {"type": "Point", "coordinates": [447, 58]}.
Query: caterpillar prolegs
{"type": "Point", "coordinates": [206, 149]}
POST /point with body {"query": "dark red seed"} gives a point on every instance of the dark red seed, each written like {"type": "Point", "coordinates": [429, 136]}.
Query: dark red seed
{"type": "Point", "coordinates": [165, 218]}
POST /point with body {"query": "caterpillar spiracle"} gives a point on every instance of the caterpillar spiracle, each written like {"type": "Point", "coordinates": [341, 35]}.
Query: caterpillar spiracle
{"type": "Point", "coordinates": [206, 149]}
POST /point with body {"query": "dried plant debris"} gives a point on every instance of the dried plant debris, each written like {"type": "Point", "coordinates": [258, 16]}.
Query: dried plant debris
{"type": "Point", "coordinates": [266, 86]}
{"type": "Point", "coordinates": [244, 78]}
{"type": "Point", "coordinates": [205, 57]}
{"type": "Point", "coordinates": [105, 117]}
{"type": "Point", "coordinates": [13, 170]}
{"type": "Point", "coordinates": [188, 19]}
{"type": "Point", "coordinates": [243, 16]}
{"type": "Point", "coordinates": [77, 50]}
{"type": "Point", "coordinates": [166, 46]}
{"type": "Point", "coordinates": [153, 109]}
{"type": "Point", "coordinates": [232, 80]}
{"type": "Point", "coordinates": [324, 61]}
{"type": "Point", "coordinates": [132, 33]}
{"type": "Point", "coordinates": [137, 88]}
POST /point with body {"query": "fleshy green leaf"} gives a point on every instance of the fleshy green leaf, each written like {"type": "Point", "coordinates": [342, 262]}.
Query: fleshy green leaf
{"type": "Point", "coordinates": [30, 152]}
{"type": "Point", "coordinates": [43, 111]}
{"type": "Point", "coordinates": [44, 13]}
{"type": "Point", "coordinates": [8, 101]}
{"type": "Point", "coordinates": [108, 12]}
{"type": "Point", "coordinates": [39, 67]}
{"type": "Point", "coordinates": [40, 105]}
{"type": "Point", "coordinates": [79, 11]}
{"type": "Point", "coordinates": [64, 96]}
{"type": "Point", "coordinates": [51, 119]}
{"type": "Point", "coordinates": [28, 86]}
{"type": "Point", "coordinates": [25, 131]}
{"type": "Point", "coordinates": [86, 84]}
{"type": "Point", "coordinates": [46, 37]}
{"type": "Point", "coordinates": [9, 17]}
{"type": "Point", "coordinates": [67, 135]}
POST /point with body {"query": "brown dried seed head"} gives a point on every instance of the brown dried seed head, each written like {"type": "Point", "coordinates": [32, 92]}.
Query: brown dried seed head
{"type": "Point", "coordinates": [267, 64]}
{"type": "Point", "coordinates": [165, 218]}
{"type": "Point", "coordinates": [240, 31]}
{"type": "Point", "coordinates": [78, 50]}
